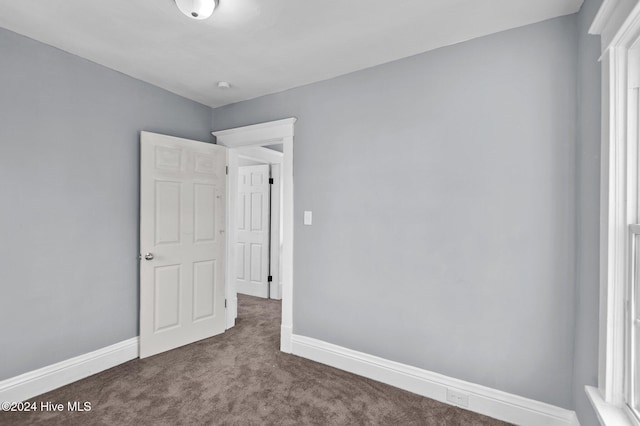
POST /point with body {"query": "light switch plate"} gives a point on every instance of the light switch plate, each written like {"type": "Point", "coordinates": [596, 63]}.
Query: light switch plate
{"type": "Point", "coordinates": [308, 217]}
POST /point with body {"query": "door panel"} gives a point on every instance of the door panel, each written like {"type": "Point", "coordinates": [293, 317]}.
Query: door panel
{"type": "Point", "coordinates": [167, 212]}
{"type": "Point", "coordinates": [253, 231]}
{"type": "Point", "coordinates": [182, 224]}
{"type": "Point", "coordinates": [205, 213]}
{"type": "Point", "coordinates": [167, 292]}
{"type": "Point", "coordinates": [257, 205]}
{"type": "Point", "coordinates": [241, 211]}
{"type": "Point", "coordinates": [204, 294]}
{"type": "Point", "coordinates": [240, 261]}
{"type": "Point", "coordinates": [256, 263]}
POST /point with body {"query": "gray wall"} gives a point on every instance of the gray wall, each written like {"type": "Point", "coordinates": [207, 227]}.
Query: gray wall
{"type": "Point", "coordinates": [588, 207]}
{"type": "Point", "coordinates": [443, 192]}
{"type": "Point", "coordinates": [69, 155]}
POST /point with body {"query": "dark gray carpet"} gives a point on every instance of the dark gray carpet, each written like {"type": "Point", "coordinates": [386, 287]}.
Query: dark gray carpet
{"type": "Point", "coordinates": [240, 378]}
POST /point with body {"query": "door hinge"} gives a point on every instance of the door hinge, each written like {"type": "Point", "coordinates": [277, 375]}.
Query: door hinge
{"type": "Point", "coordinates": [270, 181]}
{"type": "Point", "coordinates": [269, 278]}
{"type": "Point", "coordinates": [226, 170]}
{"type": "Point", "coordinates": [225, 303]}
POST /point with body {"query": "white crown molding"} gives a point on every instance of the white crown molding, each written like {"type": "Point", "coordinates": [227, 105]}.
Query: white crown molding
{"type": "Point", "coordinates": [53, 376]}
{"type": "Point", "coordinates": [487, 401]}
{"type": "Point", "coordinates": [628, 32]}
{"type": "Point", "coordinates": [603, 16]}
{"type": "Point", "coordinates": [613, 20]}
{"type": "Point", "coordinates": [272, 132]}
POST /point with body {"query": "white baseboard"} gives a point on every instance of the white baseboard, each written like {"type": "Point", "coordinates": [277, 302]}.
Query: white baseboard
{"type": "Point", "coordinates": [286, 334]}
{"type": "Point", "coordinates": [53, 376]}
{"type": "Point", "coordinates": [232, 311]}
{"type": "Point", "coordinates": [490, 402]}
{"type": "Point", "coordinates": [252, 290]}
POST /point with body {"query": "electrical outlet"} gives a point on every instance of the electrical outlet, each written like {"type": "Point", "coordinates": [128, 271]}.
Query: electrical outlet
{"type": "Point", "coordinates": [458, 398]}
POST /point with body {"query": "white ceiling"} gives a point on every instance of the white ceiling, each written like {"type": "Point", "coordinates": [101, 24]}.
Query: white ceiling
{"type": "Point", "coordinates": [261, 46]}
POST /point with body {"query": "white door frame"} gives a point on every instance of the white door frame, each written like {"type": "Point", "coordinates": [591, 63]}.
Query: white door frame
{"type": "Point", "coordinates": [259, 154]}
{"type": "Point", "coordinates": [271, 157]}
{"type": "Point", "coordinates": [270, 133]}
{"type": "Point", "coordinates": [275, 224]}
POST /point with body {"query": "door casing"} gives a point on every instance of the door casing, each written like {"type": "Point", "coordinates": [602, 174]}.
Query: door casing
{"type": "Point", "coordinates": [269, 133]}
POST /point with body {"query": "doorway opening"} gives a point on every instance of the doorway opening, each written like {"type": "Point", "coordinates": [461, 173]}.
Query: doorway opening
{"type": "Point", "coordinates": [240, 141]}
{"type": "Point", "coordinates": [258, 244]}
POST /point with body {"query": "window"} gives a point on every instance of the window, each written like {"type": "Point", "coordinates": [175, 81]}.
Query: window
{"type": "Point", "coordinates": [632, 327]}
{"type": "Point", "coordinates": [617, 399]}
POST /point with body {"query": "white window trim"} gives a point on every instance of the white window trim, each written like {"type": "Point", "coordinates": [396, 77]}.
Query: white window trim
{"type": "Point", "coordinates": [618, 24]}
{"type": "Point", "coordinates": [630, 314]}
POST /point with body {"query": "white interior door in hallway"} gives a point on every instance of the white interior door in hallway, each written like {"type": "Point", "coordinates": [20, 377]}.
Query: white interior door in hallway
{"type": "Point", "coordinates": [252, 247]}
{"type": "Point", "coordinates": [182, 242]}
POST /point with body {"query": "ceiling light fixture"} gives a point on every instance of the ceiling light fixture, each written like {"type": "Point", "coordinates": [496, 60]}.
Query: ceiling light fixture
{"type": "Point", "coordinates": [224, 85]}
{"type": "Point", "coordinates": [197, 9]}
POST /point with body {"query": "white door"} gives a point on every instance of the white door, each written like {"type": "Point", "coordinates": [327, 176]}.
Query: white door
{"type": "Point", "coordinates": [252, 247]}
{"type": "Point", "coordinates": [182, 242]}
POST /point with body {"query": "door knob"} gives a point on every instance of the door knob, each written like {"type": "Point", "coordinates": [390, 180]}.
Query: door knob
{"type": "Point", "coordinates": [148, 256]}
